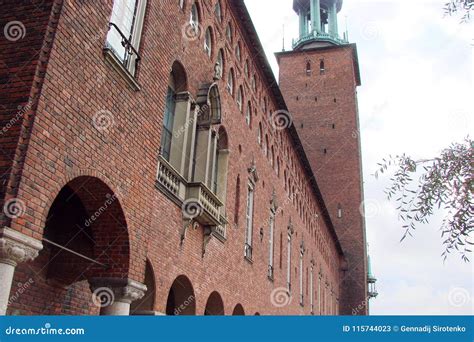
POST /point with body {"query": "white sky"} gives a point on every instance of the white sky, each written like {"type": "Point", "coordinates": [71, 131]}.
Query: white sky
{"type": "Point", "coordinates": [417, 69]}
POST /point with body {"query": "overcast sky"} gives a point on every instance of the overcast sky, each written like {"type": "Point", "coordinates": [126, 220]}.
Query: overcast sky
{"type": "Point", "coordinates": [417, 69]}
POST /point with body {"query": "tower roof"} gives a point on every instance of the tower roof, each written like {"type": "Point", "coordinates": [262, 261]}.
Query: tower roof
{"type": "Point", "coordinates": [305, 4]}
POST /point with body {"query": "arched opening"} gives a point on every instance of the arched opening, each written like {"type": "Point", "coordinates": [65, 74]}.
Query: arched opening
{"type": "Point", "coordinates": [238, 310]}
{"type": "Point", "coordinates": [208, 42]}
{"type": "Point", "coordinates": [257, 314]}
{"type": "Point", "coordinates": [214, 102]}
{"type": "Point", "coordinates": [84, 226]}
{"type": "Point", "coordinates": [175, 113]}
{"type": "Point", "coordinates": [181, 300]}
{"type": "Point", "coordinates": [322, 69]}
{"type": "Point", "coordinates": [308, 68]}
{"type": "Point", "coordinates": [221, 164]}
{"type": "Point", "coordinates": [214, 305]}
{"type": "Point", "coordinates": [230, 82]}
{"type": "Point", "coordinates": [145, 306]}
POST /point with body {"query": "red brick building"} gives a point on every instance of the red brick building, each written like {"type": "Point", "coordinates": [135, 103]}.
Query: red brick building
{"type": "Point", "coordinates": [149, 166]}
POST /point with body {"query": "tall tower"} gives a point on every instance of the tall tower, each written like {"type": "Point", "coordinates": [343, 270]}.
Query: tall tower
{"type": "Point", "coordinates": [319, 80]}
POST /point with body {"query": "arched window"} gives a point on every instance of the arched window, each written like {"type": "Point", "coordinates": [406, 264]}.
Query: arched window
{"type": "Point", "coordinates": [308, 68]}
{"type": "Point", "coordinates": [214, 105]}
{"type": "Point", "coordinates": [208, 42]}
{"type": "Point", "coordinates": [228, 32]}
{"type": "Point", "coordinates": [194, 17]}
{"type": "Point", "coordinates": [254, 83]}
{"type": "Point", "coordinates": [322, 69]}
{"type": "Point", "coordinates": [240, 99]}
{"type": "Point", "coordinates": [220, 165]}
{"type": "Point", "coordinates": [230, 81]}
{"type": "Point", "coordinates": [265, 146]}
{"type": "Point", "coordinates": [176, 83]}
{"type": "Point", "coordinates": [246, 68]}
{"type": "Point", "coordinates": [220, 61]}
{"type": "Point", "coordinates": [238, 54]}
{"type": "Point", "coordinates": [248, 114]}
{"type": "Point", "coordinates": [218, 11]}
{"type": "Point", "coordinates": [181, 4]}
{"type": "Point", "coordinates": [237, 201]}
{"type": "Point", "coordinates": [259, 136]}
{"type": "Point", "coordinates": [272, 156]}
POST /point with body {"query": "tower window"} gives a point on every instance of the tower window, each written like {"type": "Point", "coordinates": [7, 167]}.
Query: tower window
{"type": "Point", "coordinates": [308, 68]}
{"type": "Point", "coordinates": [322, 69]}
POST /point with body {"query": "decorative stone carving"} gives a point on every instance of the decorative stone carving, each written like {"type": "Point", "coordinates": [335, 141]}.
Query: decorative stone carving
{"type": "Point", "coordinates": [124, 290]}
{"type": "Point", "coordinates": [15, 247]}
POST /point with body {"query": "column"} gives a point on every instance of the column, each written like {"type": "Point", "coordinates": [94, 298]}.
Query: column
{"type": "Point", "coordinates": [114, 295]}
{"type": "Point", "coordinates": [333, 20]}
{"type": "Point", "coordinates": [315, 15]}
{"type": "Point", "coordinates": [15, 248]}
{"type": "Point", "coordinates": [302, 15]}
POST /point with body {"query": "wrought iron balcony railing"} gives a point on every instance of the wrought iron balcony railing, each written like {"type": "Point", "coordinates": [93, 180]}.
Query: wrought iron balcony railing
{"type": "Point", "coordinates": [129, 51]}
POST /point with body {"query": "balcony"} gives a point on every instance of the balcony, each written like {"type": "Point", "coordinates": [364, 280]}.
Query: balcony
{"type": "Point", "coordinates": [197, 201]}
{"type": "Point", "coordinates": [169, 179]}
{"type": "Point", "coordinates": [209, 205]}
{"type": "Point", "coordinates": [320, 36]}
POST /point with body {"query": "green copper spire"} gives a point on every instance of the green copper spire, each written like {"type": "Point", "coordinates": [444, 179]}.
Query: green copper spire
{"type": "Point", "coordinates": [317, 23]}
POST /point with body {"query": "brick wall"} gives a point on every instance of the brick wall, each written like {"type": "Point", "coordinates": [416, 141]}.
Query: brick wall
{"type": "Point", "coordinates": [64, 144]}
{"type": "Point", "coordinates": [324, 109]}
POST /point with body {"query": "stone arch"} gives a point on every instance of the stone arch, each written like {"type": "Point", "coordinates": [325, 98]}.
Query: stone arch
{"type": "Point", "coordinates": [181, 299]}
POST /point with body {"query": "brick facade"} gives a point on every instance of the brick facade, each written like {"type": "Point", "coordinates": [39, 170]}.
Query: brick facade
{"type": "Point", "coordinates": [109, 171]}
{"type": "Point", "coordinates": [322, 99]}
